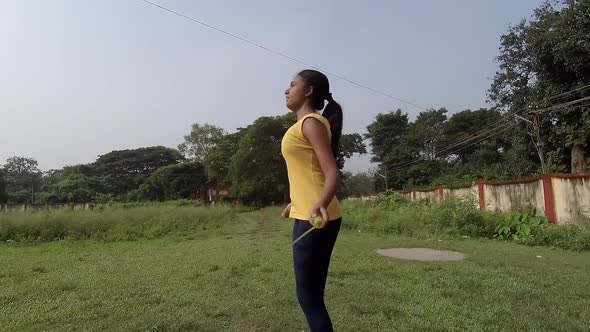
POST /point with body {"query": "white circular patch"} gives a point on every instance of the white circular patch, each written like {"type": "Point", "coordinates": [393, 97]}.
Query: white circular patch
{"type": "Point", "coordinates": [422, 254]}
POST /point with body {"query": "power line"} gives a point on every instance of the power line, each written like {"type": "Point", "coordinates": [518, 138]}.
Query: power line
{"type": "Point", "coordinates": [283, 55]}
{"type": "Point", "coordinates": [448, 147]}
{"type": "Point", "coordinates": [520, 111]}
{"type": "Point", "coordinates": [497, 130]}
{"type": "Point", "coordinates": [570, 103]}
{"type": "Point", "coordinates": [495, 125]}
{"type": "Point", "coordinates": [404, 165]}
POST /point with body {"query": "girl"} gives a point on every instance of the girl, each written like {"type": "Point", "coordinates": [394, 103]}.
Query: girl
{"type": "Point", "coordinates": [310, 147]}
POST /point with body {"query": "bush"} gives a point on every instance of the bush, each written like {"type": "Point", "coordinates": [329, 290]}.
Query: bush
{"type": "Point", "coordinates": [390, 201]}
{"type": "Point", "coordinates": [536, 231]}
{"type": "Point", "coordinates": [463, 217]}
{"type": "Point", "coordinates": [19, 197]}
{"type": "Point", "coordinates": [49, 198]}
{"type": "Point", "coordinates": [561, 236]}
{"type": "Point", "coordinates": [519, 227]}
{"type": "Point", "coordinates": [103, 198]}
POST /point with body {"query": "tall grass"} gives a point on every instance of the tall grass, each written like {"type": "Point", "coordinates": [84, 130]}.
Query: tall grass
{"type": "Point", "coordinates": [113, 224]}
{"type": "Point", "coordinates": [391, 214]}
{"type": "Point", "coordinates": [418, 219]}
{"type": "Point", "coordinates": [173, 203]}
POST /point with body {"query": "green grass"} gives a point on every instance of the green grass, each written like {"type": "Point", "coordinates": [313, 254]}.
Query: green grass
{"type": "Point", "coordinates": [239, 277]}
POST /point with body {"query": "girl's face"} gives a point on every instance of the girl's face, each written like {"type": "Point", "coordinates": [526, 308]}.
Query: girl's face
{"type": "Point", "coordinates": [297, 94]}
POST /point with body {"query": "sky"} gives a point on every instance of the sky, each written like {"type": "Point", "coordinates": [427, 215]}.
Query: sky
{"type": "Point", "coordinates": [81, 78]}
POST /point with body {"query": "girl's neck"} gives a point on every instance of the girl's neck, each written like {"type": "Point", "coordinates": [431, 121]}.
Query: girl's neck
{"type": "Point", "coordinates": [303, 111]}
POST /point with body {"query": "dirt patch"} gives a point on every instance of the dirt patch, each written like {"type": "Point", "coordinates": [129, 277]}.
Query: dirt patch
{"type": "Point", "coordinates": [241, 323]}
{"type": "Point", "coordinates": [264, 228]}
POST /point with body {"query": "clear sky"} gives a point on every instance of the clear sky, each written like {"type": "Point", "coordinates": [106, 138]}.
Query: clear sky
{"type": "Point", "coordinates": [80, 78]}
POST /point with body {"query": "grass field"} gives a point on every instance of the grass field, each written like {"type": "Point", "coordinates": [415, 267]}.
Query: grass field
{"type": "Point", "coordinates": [237, 276]}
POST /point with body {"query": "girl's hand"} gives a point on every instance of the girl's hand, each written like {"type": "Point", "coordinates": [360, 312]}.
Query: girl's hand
{"type": "Point", "coordinates": [319, 210]}
{"type": "Point", "coordinates": [286, 211]}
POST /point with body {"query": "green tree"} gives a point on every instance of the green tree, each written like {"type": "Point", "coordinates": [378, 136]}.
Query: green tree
{"type": "Point", "coordinates": [464, 131]}
{"type": "Point", "coordinates": [350, 144]}
{"type": "Point", "coordinates": [86, 169]}
{"type": "Point", "coordinates": [49, 181]}
{"type": "Point", "coordinates": [74, 188]}
{"type": "Point", "coordinates": [539, 61]}
{"type": "Point", "coordinates": [477, 144]}
{"type": "Point", "coordinates": [119, 172]}
{"type": "Point", "coordinates": [385, 134]}
{"type": "Point", "coordinates": [414, 160]}
{"type": "Point", "coordinates": [389, 147]}
{"type": "Point", "coordinates": [217, 162]}
{"type": "Point", "coordinates": [23, 179]}
{"type": "Point", "coordinates": [357, 184]}
{"type": "Point", "coordinates": [21, 165]}
{"type": "Point", "coordinates": [3, 194]}
{"type": "Point", "coordinates": [142, 161]}
{"type": "Point", "coordinates": [425, 134]}
{"type": "Point", "coordinates": [200, 141]}
{"type": "Point", "coordinates": [172, 182]}
{"type": "Point", "coordinates": [52, 176]}
{"type": "Point", "coordinates": [257, 171]}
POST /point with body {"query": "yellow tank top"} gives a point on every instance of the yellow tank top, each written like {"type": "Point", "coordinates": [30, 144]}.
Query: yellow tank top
{"type": "Point", "coordinates": [306, 179]}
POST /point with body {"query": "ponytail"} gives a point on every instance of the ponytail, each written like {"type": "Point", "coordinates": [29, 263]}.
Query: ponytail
{"type": "Point", "coordinates": [333, 113]}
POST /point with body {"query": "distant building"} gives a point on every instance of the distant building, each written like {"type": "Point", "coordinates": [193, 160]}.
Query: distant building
{"type": "Point", "coordinates": [212, 193]}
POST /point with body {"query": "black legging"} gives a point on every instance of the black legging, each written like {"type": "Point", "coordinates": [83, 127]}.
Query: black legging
{"type": "Point", "coordinates": [311, 258]}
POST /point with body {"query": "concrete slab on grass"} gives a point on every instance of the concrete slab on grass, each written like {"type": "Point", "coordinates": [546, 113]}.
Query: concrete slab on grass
{"type": "Point", "coordinates": [422, 254]}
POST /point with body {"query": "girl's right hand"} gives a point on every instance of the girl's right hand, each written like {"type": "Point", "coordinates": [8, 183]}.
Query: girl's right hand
{"type": "Point", "coordinates": [286, 211]}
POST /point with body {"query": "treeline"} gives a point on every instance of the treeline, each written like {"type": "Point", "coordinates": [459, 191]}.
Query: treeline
{"type": "Point", "coordinates": [248, 162]}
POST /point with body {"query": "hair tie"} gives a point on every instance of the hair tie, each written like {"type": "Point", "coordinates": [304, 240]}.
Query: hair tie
{"type": "Point", "coordinates": [329, 98]}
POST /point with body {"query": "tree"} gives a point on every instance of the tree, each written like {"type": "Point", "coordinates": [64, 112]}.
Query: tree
{"type": "Point", "coordinates": [111, 176]}
{"type": "Point", "coordinates": [3, 194]}
{"type": "Point", "coordinates": [218, 159]}
{"type": "Point", "coordinates": [75, 188]}
{"type": "Point", "coordinates": [200, 141]}
{"type": "Point", "coordinates": [425, 134]}
{"type": "Point", "coordinates": [539, 61]}
{"type": "Point", "coordinates": [388, 141]}
{"type": "Point", "coordinates": [401, 147]}
{"type": "Point", "coordinates": [477, 143]}
{"type": "Point", "coordinates": [121, 171]}
{"type": "Point", "coordinates": [21, 172]}
{"type": "Point", "coordinates": [173, 182]}
{"type": "Point", "coordinates": [356, 185]}
{"type": "Point", "coordinates": [257, 171]}
{"type": "Point", "coordinates": [51, 177]}
{"type": "Point", "coordinates": [385, 133]}
{"type": "Point", "coordinates": [46, 197]}
{"type": "Point", "coordinates": [86, 169]}
{"type": "Point", "coordinates": [142, 161]}
{"type": "Point", "coordinates": [49, 181]}
{"type": "Point", "coordinates": [437, 149]}
{"type": "Point", "coordinates": [23, 177]}
{"type": "Point", "coordinates": [464, 130]}
{"type": "Point", "coordinates": [21, 166]}
{"type": "Point", "coordinates": [349, 145]}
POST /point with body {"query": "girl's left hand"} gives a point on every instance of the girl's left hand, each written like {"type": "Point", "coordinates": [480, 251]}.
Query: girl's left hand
{"type": "Point", "coordinates": [319, 210]}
